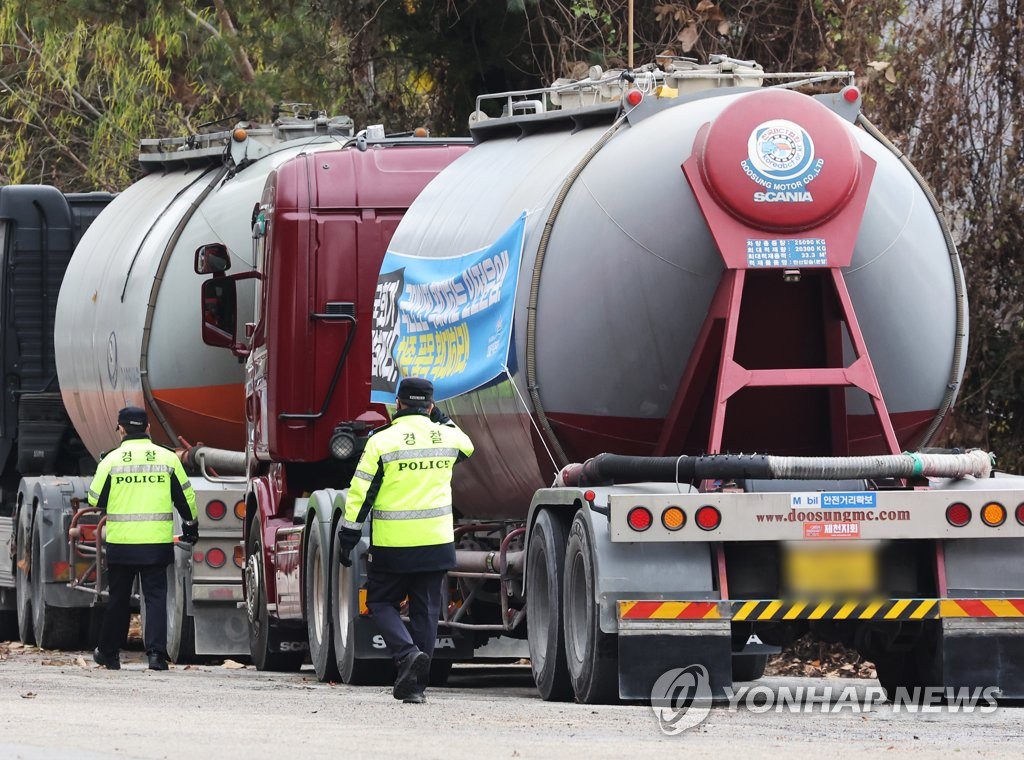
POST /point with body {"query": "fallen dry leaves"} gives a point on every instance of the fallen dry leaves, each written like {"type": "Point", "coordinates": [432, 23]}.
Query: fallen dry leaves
{"type": "Point", "coordinates": [807, 656]}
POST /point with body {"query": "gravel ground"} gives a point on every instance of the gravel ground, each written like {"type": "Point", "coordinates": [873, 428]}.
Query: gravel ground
{"type": "Point", "coordinates": [59, 705]}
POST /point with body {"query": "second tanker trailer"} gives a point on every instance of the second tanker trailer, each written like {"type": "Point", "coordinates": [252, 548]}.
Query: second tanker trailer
{"type": "Point", "coordinates": [664, 265]}
{"type": "Point", "coordinates": [117, 334]}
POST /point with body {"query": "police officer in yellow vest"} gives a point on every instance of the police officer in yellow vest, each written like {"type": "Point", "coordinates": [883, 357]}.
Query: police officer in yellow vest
{"type": "Point", "coordinates": [137, 483]}
{"type": "Point", "coordinates": [404, 476]}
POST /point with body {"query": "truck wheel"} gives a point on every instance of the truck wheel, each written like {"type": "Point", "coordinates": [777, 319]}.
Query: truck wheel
{"type": "Point", "coordinates": [23, 587]}
{"type": "Point", "coordinates": [181, 627]}
{"type": "Point", "coordinates": [259, 617]}
{"type": "Point", "coordinates": [8, 625]}
{"type": "Point", "coordinates": [545, 571]}
{"type": "Point", "coordinates": [318, 607]}
{"type": "Point", "coordinates": [591, 655]}
{"type": "Point", "coordinates": [439, 672]}
{"type": "Point", "coordinates": [748, 667]}
{"type": "Point", "coordinates": [344, 612]}
{"type": "Point", "coordinates": [53, 627]}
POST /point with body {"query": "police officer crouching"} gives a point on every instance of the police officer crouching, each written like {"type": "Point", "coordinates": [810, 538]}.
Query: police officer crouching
{"type": "Point", "coordinates": [404, 476]}
{"type": "Point", "coordinates": [138, 484]}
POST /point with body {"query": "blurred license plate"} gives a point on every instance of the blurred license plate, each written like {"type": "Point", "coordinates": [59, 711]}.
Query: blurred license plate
{"type": "Point", "coordinates": [830, 570]}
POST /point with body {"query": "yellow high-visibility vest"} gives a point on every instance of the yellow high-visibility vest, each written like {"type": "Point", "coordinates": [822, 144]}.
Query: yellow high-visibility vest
{"type": "Point", "coordinates": [414, 458]}
{"type": "Point", "coordinates": [139, 506]}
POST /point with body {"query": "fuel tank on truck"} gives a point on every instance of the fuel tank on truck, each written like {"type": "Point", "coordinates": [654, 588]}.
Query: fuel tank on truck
{"type": "Point", "coordinates": [127, 331]}
{"type": "Point", "coordinates": [619, 336]}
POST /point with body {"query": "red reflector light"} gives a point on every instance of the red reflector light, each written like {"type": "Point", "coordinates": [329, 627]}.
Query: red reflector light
{"type": "Point", "coordinates": [633, 97]}
{"type": "Point", "coordinates": [198, 556]}
{"type": "Point", "coordinates": [1019, 513]}
{"type": "Point", "coordinates": [851, 94]}
{"type": "Point", "coordinates": [216, 509]}
{"type": "Point", "coordinates": [216, 558]}
{"type": "Point", "coordinates": [639, 518]}
{"type": "Point", "coordinates": [589, 496]}
{"type": "Point", "coordinates": [958, 514]}
{"type": "Point", "coordinates": [708, 518]}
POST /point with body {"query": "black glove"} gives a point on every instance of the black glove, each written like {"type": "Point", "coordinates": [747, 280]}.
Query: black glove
{"type": "Point", "coordinates": [437, 415]}
{"type": "Point", "coordinates": [348, 539]}
{"type": "Point", "coordinates": [190, 532]}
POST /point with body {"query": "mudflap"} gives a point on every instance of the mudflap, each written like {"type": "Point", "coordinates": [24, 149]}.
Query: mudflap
{"type": "Point", "coordinates": [449, 645]}
{"type": "Point", "coordinates": [222, 630]}
{"type": "Point", "coordinates": [649, 650]}
{"type": "Point", "coordinates": [982, 653]}
{"type": "Point", "coordinates": [288, 637]}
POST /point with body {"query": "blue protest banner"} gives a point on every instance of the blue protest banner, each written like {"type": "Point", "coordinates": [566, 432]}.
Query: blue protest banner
{"type": "Point", "coordinates": [446, 319]}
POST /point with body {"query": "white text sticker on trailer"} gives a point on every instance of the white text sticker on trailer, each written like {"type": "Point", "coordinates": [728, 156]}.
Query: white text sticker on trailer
{"type": "Point", "coordinates": [800, 252]}
{"type": "Point", "coordinates": [834, 499]}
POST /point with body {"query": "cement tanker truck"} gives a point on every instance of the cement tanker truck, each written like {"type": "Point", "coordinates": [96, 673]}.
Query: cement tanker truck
{"type": "Point", "coordinates": [116, 335]}
{"type": "Point", "coordinates": [690, 316]}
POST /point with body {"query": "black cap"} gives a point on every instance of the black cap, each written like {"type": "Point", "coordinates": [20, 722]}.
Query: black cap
{"type": "Point", "coordinates": [416, 391]}
{"type": "Point", "coordinates": [133, 419]}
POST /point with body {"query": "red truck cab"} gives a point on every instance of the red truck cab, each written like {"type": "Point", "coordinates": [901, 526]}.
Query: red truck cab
{"type": "Point", "coordinates": [319, 236]}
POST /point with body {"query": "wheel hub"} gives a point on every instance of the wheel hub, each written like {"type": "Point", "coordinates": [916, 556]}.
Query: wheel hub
{"type": "Point", "coordinates": [252, 587]}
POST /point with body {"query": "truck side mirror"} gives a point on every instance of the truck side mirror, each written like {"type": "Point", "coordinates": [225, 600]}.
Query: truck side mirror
{"type": "Point", "coordinates": [220, 312]}
{"type": "Point", "coordinates": [212, 258]}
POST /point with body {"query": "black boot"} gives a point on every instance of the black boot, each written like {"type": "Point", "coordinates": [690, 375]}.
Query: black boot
{"type": "Point", "coordinates": [410, 668]}
{"type": "Point", "coordinates": [108, 660]}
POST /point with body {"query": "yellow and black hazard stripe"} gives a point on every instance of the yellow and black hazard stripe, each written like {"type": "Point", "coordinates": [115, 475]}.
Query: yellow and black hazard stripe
{"type": "Point", "coordinates": [761, 610]}
{"type": "Point", "coordinates": [882, 609]}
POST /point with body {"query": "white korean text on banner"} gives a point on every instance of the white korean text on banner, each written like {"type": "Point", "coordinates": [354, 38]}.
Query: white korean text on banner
{"type": "Point", "coordinates": [448, 320]}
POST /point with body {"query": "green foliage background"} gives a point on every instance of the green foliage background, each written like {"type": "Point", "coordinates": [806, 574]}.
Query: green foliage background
{"type": "Point", "coordinates": [82, 81]}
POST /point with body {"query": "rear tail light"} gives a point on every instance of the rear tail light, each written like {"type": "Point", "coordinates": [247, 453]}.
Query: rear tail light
{"type": "Point", "coordinates": [958, 514]}
{"type": "Point", "coordinates": [216, 509]}
{"type": "Point", "coordinates": [993, 514]}
{"type": "Point", "coordinates": [673, 518]}
{"type": "Point", "coordinates": [708, 518]}
{"type": "Point", "coordinates": [639, 518]}
{"type": "Point", "coordinates": [216, 558]}
{"type": "Point", "coordinates": [1019, 513]}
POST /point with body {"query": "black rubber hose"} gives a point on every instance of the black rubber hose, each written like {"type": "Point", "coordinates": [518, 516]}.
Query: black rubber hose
{"type": "Point", "coordinates": [607, 469]}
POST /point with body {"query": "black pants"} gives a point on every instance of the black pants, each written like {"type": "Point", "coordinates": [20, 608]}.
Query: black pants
{"type": "Point", "coordinates": [385, 591]}
{"type": "Point", "coordinates": [115, 622]}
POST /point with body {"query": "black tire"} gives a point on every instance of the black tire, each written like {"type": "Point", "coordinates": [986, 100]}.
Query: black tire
{"type": "Point", "coordinates": [344, 611]}
{"type": "Point", "coordinates": [917, 664]}
{"type": "Point", "coordinates": [23, 586]}
{"type": "Point", "coordinates": [90, 625]}
{"type": "Point", "coordinates": [259, 617]}
{"type": "Point", "coordinates": [316, 581]}
{"type": "Point", "coordinates": [52, 627]}
{"type": "Point", "coordinates": [181, 627]}
{"type": "Point", "coordinates": [895, 670]}
{"type": "Point", "coordinates": [8, 625]}
{"type": "Point", "coordinates": [748, 667]}
{"type": "Point", "coordinates": [545, 572]}
{"type": "Point", "coordinates": [591, 655]}
{"type": "Point", "coordinates": [440, 670]}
